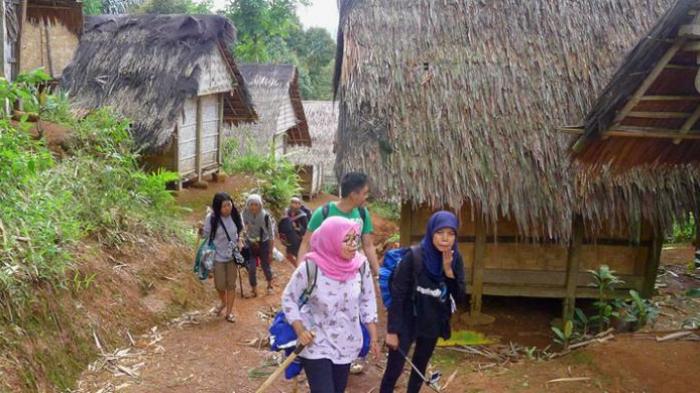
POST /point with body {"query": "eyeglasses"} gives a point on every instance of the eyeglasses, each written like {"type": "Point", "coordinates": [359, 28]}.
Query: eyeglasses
{"type": "Point", "coordinates": [352, 241]}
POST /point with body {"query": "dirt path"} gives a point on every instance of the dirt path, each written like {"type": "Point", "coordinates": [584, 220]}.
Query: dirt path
{"type": "Point", "coordinates": [206, 354]}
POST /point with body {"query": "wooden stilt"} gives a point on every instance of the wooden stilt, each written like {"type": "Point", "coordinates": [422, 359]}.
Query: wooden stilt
{"type": "Point", "coordinates": [573, 259]}
{"type": "Point", "coordinates": [475, 317]}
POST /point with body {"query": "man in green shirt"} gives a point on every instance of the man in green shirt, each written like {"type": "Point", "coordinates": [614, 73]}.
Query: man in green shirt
{"type": "Point", "coordinates": [354, 188]}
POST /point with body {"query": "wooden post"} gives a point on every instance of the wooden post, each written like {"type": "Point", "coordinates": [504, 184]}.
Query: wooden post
{"type": "Point", "coordinates": [405, 230]}
{"type": "Point", "coordinates": [198, 142]}
{"type": "Point", "coordinates": [176, 153]}
{"type": "Point", "coordinates": [478, 267]}
{"type": "Point", "coordinates": [652, 265]}
{"type": "Point", "coordinates": [573, 261]}
{"type": "Point", "coordinates": [220, 136]}
{"type": "Point", "coordinates": [3, 40]}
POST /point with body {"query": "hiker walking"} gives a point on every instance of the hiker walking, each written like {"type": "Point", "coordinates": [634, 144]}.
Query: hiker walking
{"type": "Point", "coordinates": [292, 228]}
{"type": "Point", "coordinates": [223, 226]}
{"type": "Point", "coordinates": [328, 323]}
{"type": "Point", "coordinates": [354, 188]}
{"type": "Point", "coordinates": [259, 237]}
{"type": "Point", "coordinates": [423, 298]}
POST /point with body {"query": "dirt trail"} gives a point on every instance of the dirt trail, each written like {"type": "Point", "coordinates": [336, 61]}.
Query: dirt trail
{"type": "Point", "coordinates": [208, 354]}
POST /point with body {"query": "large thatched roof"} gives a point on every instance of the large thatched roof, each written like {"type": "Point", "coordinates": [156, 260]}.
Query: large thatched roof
{"type": "Point", "coordinates": [322, 117]}
{"type": "Point", "coordinates": [275, 91]}
{"type": "Point", "coordinates": [455, 102]}
{"type": "Point", "coordinates": [649, 111]}
{"type": "Point", "coordinates": [146, 66]}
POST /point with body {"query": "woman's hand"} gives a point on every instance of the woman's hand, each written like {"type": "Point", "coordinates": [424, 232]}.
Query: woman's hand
{"type": "Point", "coordinates": [447, 258]}
{"type": "Point", "coordinates": [392, 341]}
{"type": "Point", "coordinates": [304, 337]}
{"type": "Point", "coordinates": [374, 349]}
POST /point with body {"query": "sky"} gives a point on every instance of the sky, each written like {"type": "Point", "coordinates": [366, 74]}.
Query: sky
{"type": "Point", "coordinates": [321, 13]}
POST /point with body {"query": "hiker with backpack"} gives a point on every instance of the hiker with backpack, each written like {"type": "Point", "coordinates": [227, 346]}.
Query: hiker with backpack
{"type": "Point", "coordinates": [354, 189]}
{"type": "Point", "coordinates": [328, 297]}
{"type": "Point", "coordinates": [222, 226]}
{"type": "Point", "coordinates": [425, 287]}
{"type": "Point", "coordinates": [292, 228]}
{"type": "Point", "coordinates": [259, 239]}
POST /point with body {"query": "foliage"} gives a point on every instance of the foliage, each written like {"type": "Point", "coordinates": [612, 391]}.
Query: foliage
{"type": "Point", "coordinates": [277, 178]}
{"type": "Point", "coordinates": [605, 281]}
{"type": "Point", "coordinates": [175, 7]}
{"type": "Point", "coordinates": [639, 311]}
{"type": "Point", "coordinates": [270, 32]}
{"type": "Point", "coordinates": [683, 231]}
{"type": "Point", "coordinates": [387, 210]}
{"type": "Point", "coordinates": [48, 206]}
{"type": "Point", "coordinates": [564, 335]}
{"type": "Point", "coordinates": [97, 7]}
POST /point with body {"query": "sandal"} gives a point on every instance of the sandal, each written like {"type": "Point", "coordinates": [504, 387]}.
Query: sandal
{"type": "Point", "coordinates": [218, 309]}
{"type": "Point", "coordinates": [270, 290]}
{"type": "Point", "coordinates": [230, 318]}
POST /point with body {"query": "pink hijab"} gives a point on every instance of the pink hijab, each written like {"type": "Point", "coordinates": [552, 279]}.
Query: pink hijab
{"type": "Point", "coordinates": [326, 245]}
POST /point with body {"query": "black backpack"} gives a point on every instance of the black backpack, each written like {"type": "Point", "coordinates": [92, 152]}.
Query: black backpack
{"type": "Point", "coordinates": [327, 208]}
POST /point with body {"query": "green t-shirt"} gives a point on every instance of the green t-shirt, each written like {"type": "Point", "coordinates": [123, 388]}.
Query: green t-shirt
{"type": "Point", "coordinates": [354, 215]}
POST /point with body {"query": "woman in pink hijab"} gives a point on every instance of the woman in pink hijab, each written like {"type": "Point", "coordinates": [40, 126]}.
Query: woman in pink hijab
{"type": "Point", "coordinates": [327, 320]}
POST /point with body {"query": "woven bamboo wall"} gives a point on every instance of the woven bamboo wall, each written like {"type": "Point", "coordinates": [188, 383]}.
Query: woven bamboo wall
{"type": "Point", "coordinates": [35, 48]}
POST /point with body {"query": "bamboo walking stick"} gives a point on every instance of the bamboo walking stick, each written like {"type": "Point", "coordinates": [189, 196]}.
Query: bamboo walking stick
{"type": "Point", "coordinates": [271, 379]}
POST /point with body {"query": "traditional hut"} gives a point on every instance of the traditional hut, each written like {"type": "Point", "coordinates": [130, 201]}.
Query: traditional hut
{"type": "Point", "coordinates": [643, 128]}
{"type": "Point", "coordinates": [456, 104]}
{"type": "Point", "coordinates": [172, 75]}
{"type": "Point", "coordinates": [282, 123]}
{"type": "Point", "coordinates": [316, 163]}
{"type": "Point", "coordinates": [40, 33]}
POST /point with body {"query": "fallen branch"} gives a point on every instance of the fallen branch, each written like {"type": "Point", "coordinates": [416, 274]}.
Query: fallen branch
{"type": "Point", "coordinates": [575, 379]}
{"type": "Point", "coordinates": [449, 380]}
{"type": "Point", "coordinates": [673, 336]}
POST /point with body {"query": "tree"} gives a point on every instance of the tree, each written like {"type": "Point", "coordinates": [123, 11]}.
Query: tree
{"type": "Point", "coordinates": [175, 7]}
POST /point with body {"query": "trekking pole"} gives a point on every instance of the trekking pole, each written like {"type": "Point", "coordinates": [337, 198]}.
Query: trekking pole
{"type": "Point", "coordinates": [271, 379]}
{"type": "Point", "coordinates": [430, 384]}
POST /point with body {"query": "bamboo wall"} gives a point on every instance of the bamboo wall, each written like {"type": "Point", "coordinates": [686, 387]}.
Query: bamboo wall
{"type": "Point", "coordinates": [48, 45]}
{"type": "Point", "coordinates": [516, 266]}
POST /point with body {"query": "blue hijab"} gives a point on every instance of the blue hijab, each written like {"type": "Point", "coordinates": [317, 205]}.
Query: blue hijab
{"type": "Point", "coordinates": [432, 257]}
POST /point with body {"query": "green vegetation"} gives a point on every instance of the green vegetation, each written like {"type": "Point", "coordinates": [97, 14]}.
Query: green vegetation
{"type": "Point", "coordinates": [682, 232]}
{"type": "Point", "coordinates": [97, 191]}
{"type": "Point", "coordinates": [277, 179]}
{"type": "Point", "coordinates": [387, 210]}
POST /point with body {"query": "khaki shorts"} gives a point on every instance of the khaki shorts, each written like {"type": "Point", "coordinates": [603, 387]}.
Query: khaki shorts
{"type": "Point", "coordinates": [225, 274]}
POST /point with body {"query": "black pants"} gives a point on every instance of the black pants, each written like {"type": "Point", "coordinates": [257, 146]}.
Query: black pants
{"type": "Point", "coordinates": [394, 367]}
{"type": "Point", "coordinates": [264, 253]}
{"type": "Point", "coordinates": [324, 376]}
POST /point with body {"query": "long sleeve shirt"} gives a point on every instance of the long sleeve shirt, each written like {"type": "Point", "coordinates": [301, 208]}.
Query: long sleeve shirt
{"type": "Point", "coordinates": [333, 312]}
{"type": "Point", "coordinates": [419, 312]}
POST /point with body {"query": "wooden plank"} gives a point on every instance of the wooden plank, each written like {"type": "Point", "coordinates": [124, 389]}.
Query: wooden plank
{"type": "Point", "coordinates": [681, 66]}
{"type": "Point", "coordinates": [406, 221]}
{"type": "Point", "coordinates": [652, 266]}
{"type": "Point", "coordinates": [670, 98]}
{"type": "Point", "coordinates": [541, 291]}
{"type": "Point", "coordinates": [660, 115]}
{"type": "Point", "coordinates": [549, 278]}
{"type": "Point", "coordinates": [689, 31]}
{"type": "Point", "coordinates": [198, 149]}
{"type": "Point", "coordinates": [648, 81]}
{"type": "Point", "coordinates": [573, 259]}
{"type": "Point", "coordinates": [685, 128]}
{"type": "Point", "coordinates": [651, 132]}
{"type": "Point", "coordinates": [220, 135]}
{"type": "Point", "coordinates": [478, 266]}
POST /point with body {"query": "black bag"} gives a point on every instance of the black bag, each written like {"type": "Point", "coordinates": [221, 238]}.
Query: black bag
{"type": "Point", "coordinates": [237, 255]}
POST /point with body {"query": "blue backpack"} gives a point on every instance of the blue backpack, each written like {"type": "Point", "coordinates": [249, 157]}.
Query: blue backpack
{"type": "Point", "coordinates": [392, 258]}
{"type": "Point", "coordinates": [282, 335]}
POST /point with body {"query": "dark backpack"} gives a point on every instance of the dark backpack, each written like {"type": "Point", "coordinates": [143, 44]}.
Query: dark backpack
{"type": "Point", "coordinates": [306, 211]}
{"type": "Point", "coordinates": [392, 258]}
{"type": "Point", "coordinates": [325, 210]}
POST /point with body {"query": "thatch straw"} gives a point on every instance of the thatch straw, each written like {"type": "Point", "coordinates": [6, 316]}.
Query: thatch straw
{"type": "Point", "coordinates": [457, 101]}
{"type": "Point", "coordinates": [275, 92]}
{"type": "Point", "coordinates": [322, 117]}
{"type": "Point", "coordinates": [147, 66]}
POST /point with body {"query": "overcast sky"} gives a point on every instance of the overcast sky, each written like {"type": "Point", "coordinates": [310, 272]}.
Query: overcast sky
{"type": "Point", "coordinates": [321, 13]}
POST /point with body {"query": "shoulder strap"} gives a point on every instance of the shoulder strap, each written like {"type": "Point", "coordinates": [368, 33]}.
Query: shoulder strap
{"type": "Point", "coordinates": [325, 210]}
{"type": "Point", "coordinates": [417, 254]}
{"type": "Point", "coordinates": [363, 269]}
{"type": "Point", "coordinates": [225, 230]}
{"type": "Point", "coordinates": [311, 277]}
{"type": "Point", "coordinates": [363, 214]}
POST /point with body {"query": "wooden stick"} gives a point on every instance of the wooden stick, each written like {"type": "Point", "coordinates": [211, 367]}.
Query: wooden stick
{"type": "Point", "coordinates": [271, 379]}
{"type": "Point", "coordinates": [576, 379]}
{"type": "Point", "coordinates": [673, 336]}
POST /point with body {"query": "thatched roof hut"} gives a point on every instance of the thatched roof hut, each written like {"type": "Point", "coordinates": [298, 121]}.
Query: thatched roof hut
{"type": "Point", "coordinates": [644, 124]}
{"type": "Point", "coordinates": [275, 92]}
{"type": "Point", "coordinates": [40, 33]}
{"type": "Point", "coordinates": [322, 117]}
{"type": "Point", "coordinates": [172, 75]}
{"type": "Point", "coordinates": [457, 104]}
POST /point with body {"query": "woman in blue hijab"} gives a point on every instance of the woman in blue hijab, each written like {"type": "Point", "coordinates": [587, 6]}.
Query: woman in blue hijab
{"type": "Point", "coordinates": [425, 289]}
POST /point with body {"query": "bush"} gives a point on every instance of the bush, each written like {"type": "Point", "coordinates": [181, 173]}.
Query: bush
{"type": "Point", "coordinates": [277, 178]}
{"type": "Point", "coordinates": [683, 231]}
{"type": "Point", "coordinates": [48, 206]}
{"type": "Point", "coordinates": [387, 210]}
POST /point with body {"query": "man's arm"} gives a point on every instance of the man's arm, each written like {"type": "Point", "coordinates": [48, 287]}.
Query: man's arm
{"type": "Point", "coordinates": [304, 247]}
{"type": "Point", "coordinates": [370, 252]}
